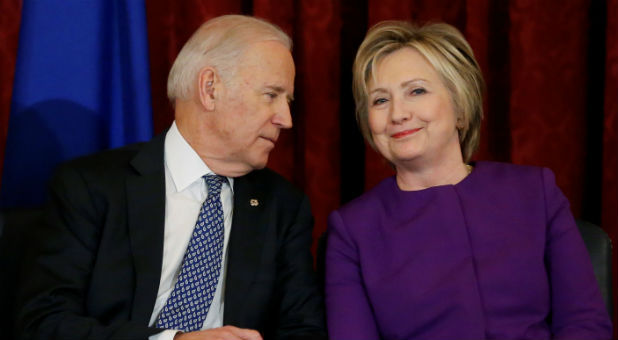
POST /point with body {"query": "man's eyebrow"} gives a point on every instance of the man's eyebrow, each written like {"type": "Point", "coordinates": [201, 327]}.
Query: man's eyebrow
{"type": "Point", "coordinates": [275, 88]}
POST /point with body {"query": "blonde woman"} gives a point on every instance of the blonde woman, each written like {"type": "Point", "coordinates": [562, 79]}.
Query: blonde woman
{"type": "Point", "coordinates": [447, 249]}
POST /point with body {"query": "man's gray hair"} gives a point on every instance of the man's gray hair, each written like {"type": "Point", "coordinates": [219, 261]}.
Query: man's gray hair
{"type": "Point", "coordinates": [218, 43]}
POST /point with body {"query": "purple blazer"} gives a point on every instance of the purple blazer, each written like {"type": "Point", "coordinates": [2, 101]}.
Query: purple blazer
{"type": "Point", "coordinates": [496, 256]}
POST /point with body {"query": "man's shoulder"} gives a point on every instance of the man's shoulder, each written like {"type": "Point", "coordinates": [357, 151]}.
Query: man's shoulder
{"type": "Point", "coordinates": [107, 164]}
{"type": "Point", "coordinates": [105, 160]}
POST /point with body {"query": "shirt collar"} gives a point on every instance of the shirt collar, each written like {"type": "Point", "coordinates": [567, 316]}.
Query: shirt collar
{"type": "Point", "coordinates": [184, 164]}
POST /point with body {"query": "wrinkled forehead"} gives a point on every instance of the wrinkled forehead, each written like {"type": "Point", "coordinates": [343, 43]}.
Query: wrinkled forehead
{"type": "Point", "coordinates": [269, 63]}
{"type": "Point", "coordinates": [263, 50]}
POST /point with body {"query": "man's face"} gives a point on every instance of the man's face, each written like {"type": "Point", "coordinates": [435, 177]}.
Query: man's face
{"type": "Point", "coordinates": [255, 106]}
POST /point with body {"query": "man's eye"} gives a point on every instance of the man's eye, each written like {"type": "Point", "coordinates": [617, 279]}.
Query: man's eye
{"type": "Point", "coordinates": [270, 95]}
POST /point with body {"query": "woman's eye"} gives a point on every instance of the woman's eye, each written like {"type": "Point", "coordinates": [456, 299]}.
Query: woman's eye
{"type": "Point", "coordinates": [379, 101]}
{"type": "Point", "coordinates": [418, 91]}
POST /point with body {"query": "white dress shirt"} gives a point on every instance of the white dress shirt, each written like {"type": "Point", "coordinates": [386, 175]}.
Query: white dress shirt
{"type": "Point", "coordinates": [185, 191]}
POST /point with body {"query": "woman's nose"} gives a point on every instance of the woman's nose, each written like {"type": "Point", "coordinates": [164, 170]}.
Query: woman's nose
{"type": "Point", "coordinates": [400, 112]}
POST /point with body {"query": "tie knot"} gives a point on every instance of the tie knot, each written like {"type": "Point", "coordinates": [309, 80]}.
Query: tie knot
{"type": "Point", "coordinates": [213, 183]}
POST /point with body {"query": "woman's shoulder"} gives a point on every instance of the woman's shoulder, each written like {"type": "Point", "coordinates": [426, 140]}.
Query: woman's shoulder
{"type": "Point", "coordinates": [370, 201]}
{"type": "Point", "coordinates": [510, 180]}
{"type": "Point", "coordinates": [509, 172]}
{"type": "Point", "coordinates": [505, 167]}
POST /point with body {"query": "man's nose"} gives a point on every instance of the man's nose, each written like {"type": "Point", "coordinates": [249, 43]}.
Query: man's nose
{"type": "Point", "coordinates": [283, 117]}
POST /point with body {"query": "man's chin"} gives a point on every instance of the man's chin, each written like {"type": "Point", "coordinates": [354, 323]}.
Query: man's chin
{"type": "Point", "coordinates": [243, 166]}
{"type": "Point", "coordinates": [240, 168]}
{"type": "Point", "coordinates": [260, 164]}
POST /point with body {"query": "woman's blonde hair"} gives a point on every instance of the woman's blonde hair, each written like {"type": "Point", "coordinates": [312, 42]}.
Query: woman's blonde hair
{"type": "Point", "coordinates": [447, 51]}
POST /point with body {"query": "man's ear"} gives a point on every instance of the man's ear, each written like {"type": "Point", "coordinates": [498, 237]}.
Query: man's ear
{"type": "Point", "coordinates": [208, 83]}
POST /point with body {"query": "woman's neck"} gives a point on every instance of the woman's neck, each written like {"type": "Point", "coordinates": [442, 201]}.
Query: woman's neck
{"type": "Point", "coordinates": [422, 175]}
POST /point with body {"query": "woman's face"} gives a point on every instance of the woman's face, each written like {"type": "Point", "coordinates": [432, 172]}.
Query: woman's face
{"type": "Point", "coordinates": [411, 114]}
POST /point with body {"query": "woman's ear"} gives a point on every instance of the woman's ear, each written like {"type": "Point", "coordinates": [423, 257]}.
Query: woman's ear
{"type": "Point", "coordinates": [460, 124]}
{"type": "Point", "coordinates": [207, 84]}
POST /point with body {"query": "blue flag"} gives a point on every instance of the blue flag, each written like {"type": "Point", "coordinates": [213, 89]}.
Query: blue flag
{"type": "Point", "coordinates": [81, 85]}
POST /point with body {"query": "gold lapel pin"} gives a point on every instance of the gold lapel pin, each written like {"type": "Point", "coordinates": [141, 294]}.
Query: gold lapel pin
{"type": "Point", "coordinates": [254, 202]}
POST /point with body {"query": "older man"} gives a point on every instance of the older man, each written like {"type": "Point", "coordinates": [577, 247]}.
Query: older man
{"type": "Point", "coordinates": [186, 236]}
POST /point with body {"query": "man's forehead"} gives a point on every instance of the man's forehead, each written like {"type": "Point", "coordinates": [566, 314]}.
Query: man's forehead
{"type": "Point", "coordinates": [268, 65]}
{"type": "Point", "coordinates": [261, 47]}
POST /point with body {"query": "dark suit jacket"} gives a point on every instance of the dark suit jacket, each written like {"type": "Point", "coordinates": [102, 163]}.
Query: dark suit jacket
{"type": "Point", "coordinates": [97, 261]}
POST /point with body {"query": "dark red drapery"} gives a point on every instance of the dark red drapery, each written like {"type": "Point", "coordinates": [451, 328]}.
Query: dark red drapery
{"type": "Point", "coordinates": [551, 69]}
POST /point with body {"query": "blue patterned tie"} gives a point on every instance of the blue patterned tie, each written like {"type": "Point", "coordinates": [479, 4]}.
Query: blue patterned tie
{"type": "Point", "coordinates": [188, 304]}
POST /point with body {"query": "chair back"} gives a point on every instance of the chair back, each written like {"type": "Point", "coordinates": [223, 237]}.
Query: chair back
{"type": "Point", "coordinates": [15, 227]}
{"type": "Point", "coordinates": [599, 247]}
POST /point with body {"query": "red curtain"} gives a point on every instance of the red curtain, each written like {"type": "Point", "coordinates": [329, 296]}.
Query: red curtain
{"type": "Point", "coordinates": [10, 14]}
{"type": "Point", "coordinates": [551, 69]}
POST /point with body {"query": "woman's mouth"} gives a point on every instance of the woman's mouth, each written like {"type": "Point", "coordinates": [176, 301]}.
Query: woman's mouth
{"type": "Point", "coordinates": [404, 133]}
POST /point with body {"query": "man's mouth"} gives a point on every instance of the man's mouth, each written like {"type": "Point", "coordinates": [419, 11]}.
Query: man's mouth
{"type": "Point", "coordinates": [272, 140]}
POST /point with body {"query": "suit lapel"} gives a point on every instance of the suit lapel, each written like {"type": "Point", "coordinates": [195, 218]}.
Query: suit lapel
{"type": "Point", "coordinates": [249, 226]}
{"type": "Point", "coordinates": [146, 219]}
